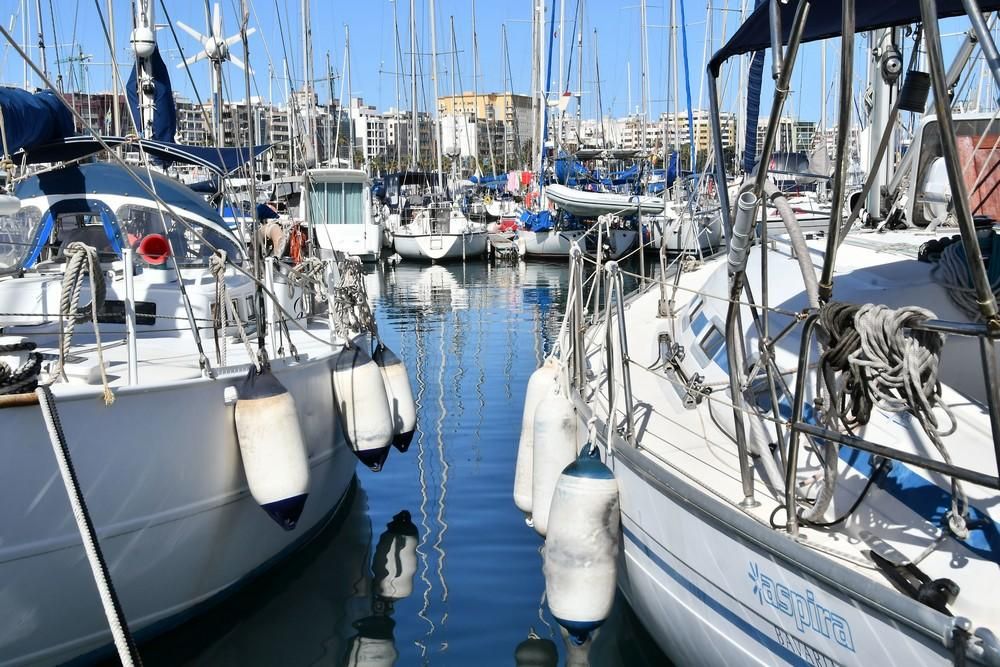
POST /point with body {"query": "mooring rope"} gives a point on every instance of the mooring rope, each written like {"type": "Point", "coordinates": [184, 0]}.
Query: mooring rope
{"type": "Point", "coordinates": [25, 377]}
{"type": "Point", "coordinates": [81, 259]}
{"type": "Point", "coordinates": [127, 652]}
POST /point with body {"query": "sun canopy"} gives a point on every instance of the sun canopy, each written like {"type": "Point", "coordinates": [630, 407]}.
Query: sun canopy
{"type": "Point", "coordinates": [824, 22]}
{"type": "Point", "coordinates": [222, 161]}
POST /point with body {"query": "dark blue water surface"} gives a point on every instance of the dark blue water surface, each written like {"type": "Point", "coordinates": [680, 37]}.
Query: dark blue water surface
{"type": "Point", "coordinates": [470, 336]}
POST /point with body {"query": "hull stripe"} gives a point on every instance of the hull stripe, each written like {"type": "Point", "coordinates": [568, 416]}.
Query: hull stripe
{"type": "Point", "coordinates": [771, 644]}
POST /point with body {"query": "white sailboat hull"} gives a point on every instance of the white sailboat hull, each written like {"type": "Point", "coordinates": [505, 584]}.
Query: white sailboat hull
{"type": "Point", "coordinates": [593, 204]}
{"type": "Point", "coordinates": [437, 247]}
{"type": "Point", "coordinates": [557, 243]}
{"type": "Point", "coordinates": [163, 479]}
{"type": "Point", "coordinates": [712, 595]}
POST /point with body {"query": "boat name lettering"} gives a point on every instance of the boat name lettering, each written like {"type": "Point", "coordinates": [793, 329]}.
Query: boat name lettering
{"type": "Point", "coordinates": [801, 607]}
{"type": "Point", "coordinates": [800, 648]}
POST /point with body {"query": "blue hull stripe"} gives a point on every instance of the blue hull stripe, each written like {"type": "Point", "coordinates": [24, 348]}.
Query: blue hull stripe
{"type": "Point", "coordinates": [768, 642]}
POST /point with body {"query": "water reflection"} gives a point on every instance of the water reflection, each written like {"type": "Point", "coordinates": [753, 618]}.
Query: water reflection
{"type": "Point", "coordinates": [393, 567]}
{"type": "Point", "coordinates": [455, 576]}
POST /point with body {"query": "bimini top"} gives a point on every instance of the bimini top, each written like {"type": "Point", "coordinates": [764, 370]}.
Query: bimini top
{"type": "Point", "coordinates": [102, 178]}
{"type": "Point", "coordinates": [824, 21]}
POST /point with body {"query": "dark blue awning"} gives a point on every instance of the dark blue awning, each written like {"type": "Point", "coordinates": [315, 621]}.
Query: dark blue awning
{"type": "Point", "coordinates": [824, 22]}
{"type": "Point", "coordinates": [221, 161]}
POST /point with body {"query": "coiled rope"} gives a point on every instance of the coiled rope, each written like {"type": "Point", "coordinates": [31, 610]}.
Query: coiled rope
{"type": "Point", "coordinates": [952, 272]}
{"type": "Point", "coordinates": [127, 652]}
{"type": "Point", "coordinates": [352, 314]}
{"type": "Point", "coordinates": [25, 377]}
{"type": "Point", "coordinates": [875, 358]}
{"type": "Point", "coordinates": [81, 259]}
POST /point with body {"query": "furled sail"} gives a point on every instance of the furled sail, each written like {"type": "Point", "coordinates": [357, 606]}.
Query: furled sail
{"type": "Point", "coordinates": [32, 119]}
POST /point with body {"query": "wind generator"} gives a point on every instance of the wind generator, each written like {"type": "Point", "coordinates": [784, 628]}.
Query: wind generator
{"type": "Point", "coordinates": [215, 49]}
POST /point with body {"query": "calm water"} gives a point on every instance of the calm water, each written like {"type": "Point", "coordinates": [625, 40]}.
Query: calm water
{"type": "Point", "coordinates": [470, 336]}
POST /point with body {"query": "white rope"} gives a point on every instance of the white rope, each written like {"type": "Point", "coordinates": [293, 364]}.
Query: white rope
{"type": "Point", "coordinates": [127, 652]}
{"type": "Point", "coordinates": [227, 312]}
{"type": "Point", "coordinates": [952, 272]}
{"type": "Point", "coordinates": [80, 259]}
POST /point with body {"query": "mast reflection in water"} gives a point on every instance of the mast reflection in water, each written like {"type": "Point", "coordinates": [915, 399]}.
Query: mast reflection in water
{"type": "Point", "coordinates": [430, 563]}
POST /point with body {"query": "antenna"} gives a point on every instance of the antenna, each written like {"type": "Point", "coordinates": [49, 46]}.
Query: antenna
{"type": "Point", "coordinates": [215, 49]}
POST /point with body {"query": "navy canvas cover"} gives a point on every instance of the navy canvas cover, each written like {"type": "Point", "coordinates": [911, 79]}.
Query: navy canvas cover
{"type": "Point", "coordinates": [31, 119]}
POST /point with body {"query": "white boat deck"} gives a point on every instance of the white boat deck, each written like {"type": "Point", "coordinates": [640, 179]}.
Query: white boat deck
{"type": "Point", "coordinates": [900, 518]}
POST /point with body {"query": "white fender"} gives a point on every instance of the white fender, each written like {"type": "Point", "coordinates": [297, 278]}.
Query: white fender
{"type": "Point", "coordinates": [395, 560]}
{"type": "Point", "coordinates": [553, 448]}
{"type": "Point", "coordinates": [362, 406]}
{"type": "Point", "coordinates": [581, 551]}
{"type": "Point", "coordinates": [272, 448]}
{"type": "Point", "coordinates": [540, 384]}
{"type": "Point", "coordinates": [402, 407]}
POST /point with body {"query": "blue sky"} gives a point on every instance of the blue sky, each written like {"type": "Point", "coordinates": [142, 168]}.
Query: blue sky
{"type": "Point", "coordinates": [77, 25]}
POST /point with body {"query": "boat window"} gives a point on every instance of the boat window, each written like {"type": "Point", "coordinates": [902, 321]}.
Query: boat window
{"type": "Point", "coordinates": [712, 342]}
{"type": "Point", "coordinates": [142, 221]}
{"type": "Point", "coordinates": [85, 228]}
{"type": "Point", "coordinates": [336, 203]}
{"type": "Point", "coordinates": [16, 233]}
{"type": "Point", "coordinates": [696, 305]}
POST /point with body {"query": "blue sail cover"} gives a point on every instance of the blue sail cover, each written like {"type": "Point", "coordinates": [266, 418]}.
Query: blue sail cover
{"type": "Point", "coordinates": [222, 161]}
{"type": "Point", "coordinates": [753, 110]}
{"type": "Point", "coordinates": [31, 119]}
{"type": "Point", "coordinates": [824, 22]}
{"type": "Point", "coordinates": [164, 111]}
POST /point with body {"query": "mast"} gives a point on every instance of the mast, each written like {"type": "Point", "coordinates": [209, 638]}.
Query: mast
{"type": "Point", "coordinates": [414, 125]}
{"type": "Point", "coordinates": [456, 150]}
{"type": "Point", "coordinates": [475, 95]}
{"type": "Point", "coordinates": [579, 84]}
{"type": "Point", "coordinates": [395, 78]}
{"type": "Point", "coordinates": [350, 98]}
{"type": "Point", "coordinates": [41, 39]}
{"type": "Point", "coordinates": [434, 80]}
{"type": "Point", "coordinates": [116, 118]}
{"type": "Point", "coordinates": [144, 44]}
{"type": "Point", "coordinates": [309, 141]}
{"type": "Point", "coordinates": [644, 66]}
{"type": "Point", "coordinates": [600, 102]}
{"type": "Point", "coordinates": [329, 110]}
{"type": "Point", "coordinates": [506, 95]}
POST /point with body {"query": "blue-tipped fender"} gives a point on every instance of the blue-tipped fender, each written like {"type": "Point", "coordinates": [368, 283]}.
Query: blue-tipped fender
{"type": "Point", "coordinates": [402, 407]}
{"type": "Point", "coordinates": [272, 448]}
{"type": "Point", "coordinates": [362, 406]}
{"type": "Point", "coordinates": [581, 549]}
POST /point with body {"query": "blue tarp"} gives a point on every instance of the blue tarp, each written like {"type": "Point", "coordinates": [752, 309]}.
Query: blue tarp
{"type": "Point", "coordinates": [824, 21]}
{"type": "Point", "coordinates": [536, 222]}
{"type": "Point", "coordinates": [164, 111]}
{"type": "Point", "coordinates": [31, 119]}
{"type": "Point", "coordinates": [486, 181]}
{"type": "Point", "coordinates": [570, 172]}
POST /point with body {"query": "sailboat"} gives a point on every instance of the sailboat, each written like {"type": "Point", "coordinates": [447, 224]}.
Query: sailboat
{"type": "Point", "coordinates": [200, 413]}
{"type": "Point", "coordinates": [801, 432]}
